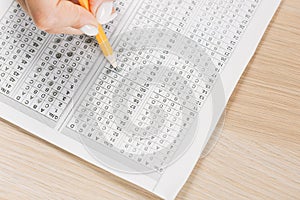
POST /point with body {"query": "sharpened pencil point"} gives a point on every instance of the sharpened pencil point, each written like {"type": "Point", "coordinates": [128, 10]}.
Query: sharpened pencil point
{"type": "Point", "coordinates": [112, 60]}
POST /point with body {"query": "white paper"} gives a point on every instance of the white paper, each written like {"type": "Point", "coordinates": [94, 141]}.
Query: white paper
{"type": "Point", "coordinates": [49, 82]}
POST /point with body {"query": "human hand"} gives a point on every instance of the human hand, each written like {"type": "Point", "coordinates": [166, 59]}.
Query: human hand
{"type": "Point", "coordinates": [66, 16]}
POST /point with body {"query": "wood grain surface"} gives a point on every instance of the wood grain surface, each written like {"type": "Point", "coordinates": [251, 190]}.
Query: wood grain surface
{"type": "Point", "coordinates": [257, 156]}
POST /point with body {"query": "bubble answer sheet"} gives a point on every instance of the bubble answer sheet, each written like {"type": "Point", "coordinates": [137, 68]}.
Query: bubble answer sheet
{"type": "Point", "coordinates": [148, 123]}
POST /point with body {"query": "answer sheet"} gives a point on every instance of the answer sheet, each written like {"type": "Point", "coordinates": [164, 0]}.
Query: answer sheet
{"type": "Point", "coordinates": [148, 122]}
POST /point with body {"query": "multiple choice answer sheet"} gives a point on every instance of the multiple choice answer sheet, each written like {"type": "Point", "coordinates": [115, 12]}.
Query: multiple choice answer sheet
{"type": "Point", "coordinates": [149, 121]}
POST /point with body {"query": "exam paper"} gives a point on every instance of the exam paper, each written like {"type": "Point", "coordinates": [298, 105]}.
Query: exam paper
{"type": "Point", "coordinates": [148, 122]}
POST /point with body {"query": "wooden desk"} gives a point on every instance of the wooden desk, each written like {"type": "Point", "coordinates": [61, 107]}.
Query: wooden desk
{"type": "Point", "coordinates": [257, 157]}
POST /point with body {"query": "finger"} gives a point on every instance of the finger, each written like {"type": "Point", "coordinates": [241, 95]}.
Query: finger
{"type": "Point", "coordinates": [58, 14]}
{"type": "Point", "coordinates": [40, 9]}
{"type": "Point", "coordinates": [105, 12]}
{"type": "Point", "coordinates": [75, 16]}
{"type": "Point", "coordinates": [103, 16]}
{"type": "Point", "coordinates": [95, 4]}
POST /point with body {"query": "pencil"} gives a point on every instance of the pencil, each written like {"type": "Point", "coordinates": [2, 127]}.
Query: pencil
{"type": "Point", "coordinates": [102, 40]}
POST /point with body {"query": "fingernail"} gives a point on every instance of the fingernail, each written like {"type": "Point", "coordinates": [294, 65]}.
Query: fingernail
{"type": "Point", "coordinates": [104, 13]}
{"type": "Point", "coordinates": [89, 30]}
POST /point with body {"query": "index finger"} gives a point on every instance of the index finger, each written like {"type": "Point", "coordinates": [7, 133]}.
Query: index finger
{"type": "Point", "coordinates": [41, 7]}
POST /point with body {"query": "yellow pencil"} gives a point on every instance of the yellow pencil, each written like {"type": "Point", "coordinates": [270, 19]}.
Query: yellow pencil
{"type": "Point", "coordinates": [102, 39]}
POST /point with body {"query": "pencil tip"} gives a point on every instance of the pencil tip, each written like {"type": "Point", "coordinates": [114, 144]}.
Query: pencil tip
{"type": "Point", "coordinates": [113, 62]}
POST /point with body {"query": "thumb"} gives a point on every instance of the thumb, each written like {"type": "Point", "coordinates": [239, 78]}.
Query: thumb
{"type": "Point", "coordinates": [72, 15]}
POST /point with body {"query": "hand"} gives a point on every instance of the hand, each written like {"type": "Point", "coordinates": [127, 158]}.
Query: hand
{"type": "Point", "coordinates": [66, 16]}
